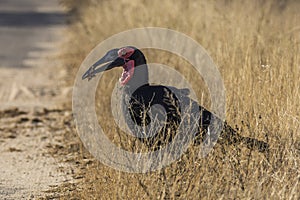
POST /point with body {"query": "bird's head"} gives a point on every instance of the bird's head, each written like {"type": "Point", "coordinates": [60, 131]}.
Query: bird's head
{"type": "Point", "coordinates": [126, 57]}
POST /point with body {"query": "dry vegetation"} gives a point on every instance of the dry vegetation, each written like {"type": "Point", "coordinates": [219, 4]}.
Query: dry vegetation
{"type": "Point", "coordinates": [256, 46]}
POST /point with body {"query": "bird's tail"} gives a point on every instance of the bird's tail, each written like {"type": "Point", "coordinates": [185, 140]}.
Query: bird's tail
{"type": "Point", "coordinates": [231, 136]}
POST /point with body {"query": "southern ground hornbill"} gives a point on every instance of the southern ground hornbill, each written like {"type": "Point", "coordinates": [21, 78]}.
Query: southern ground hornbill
{"type": "Point", "coordinates": [143, 96]}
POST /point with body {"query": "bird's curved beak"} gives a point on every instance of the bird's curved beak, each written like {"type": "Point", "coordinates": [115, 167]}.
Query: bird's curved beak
{"type": "Point", "coordinates": [107, 62]}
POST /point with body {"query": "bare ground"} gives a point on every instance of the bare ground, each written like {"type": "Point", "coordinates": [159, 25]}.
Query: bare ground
{"type": "Point", "coordinates": [34, 118]}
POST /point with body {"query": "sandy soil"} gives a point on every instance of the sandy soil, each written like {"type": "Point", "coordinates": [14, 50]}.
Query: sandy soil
{"type": "Point", "coordinates": [34, 109]}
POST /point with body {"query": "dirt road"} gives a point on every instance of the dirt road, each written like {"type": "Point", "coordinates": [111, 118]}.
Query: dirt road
{"type": "Point", "coordinates": [33, 117]}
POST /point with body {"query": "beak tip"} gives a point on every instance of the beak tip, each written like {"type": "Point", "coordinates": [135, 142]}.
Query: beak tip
{"type": "Point", "coordinates": [84, 77]}
{"type": "Point", "coordinates": [107, 62]}
{"type": "Point", "coordinates": [88, 74]}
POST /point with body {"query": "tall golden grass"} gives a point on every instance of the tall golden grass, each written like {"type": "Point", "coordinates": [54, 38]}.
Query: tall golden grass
{"type": "Point", "coordinates": [256, 46]}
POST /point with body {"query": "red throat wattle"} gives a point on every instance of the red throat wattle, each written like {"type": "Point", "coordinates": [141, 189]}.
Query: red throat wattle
{"type": "Point", "coordinates": [128, 71]}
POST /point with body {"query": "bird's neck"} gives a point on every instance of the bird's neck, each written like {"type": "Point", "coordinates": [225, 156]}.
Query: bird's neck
{"type": "Point", "coordinates": [140, 78]}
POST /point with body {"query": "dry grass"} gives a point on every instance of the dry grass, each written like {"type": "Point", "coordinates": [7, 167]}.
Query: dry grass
{"type": "Point", "coordinates": [256, 46]}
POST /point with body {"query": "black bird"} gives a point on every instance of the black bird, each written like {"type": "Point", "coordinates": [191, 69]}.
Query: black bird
{"type": "Point", "coordinates": [143, 96]}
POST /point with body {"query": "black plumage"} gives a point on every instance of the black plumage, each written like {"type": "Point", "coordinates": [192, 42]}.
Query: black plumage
{"type": "Point", "coordinates": [142, 97]}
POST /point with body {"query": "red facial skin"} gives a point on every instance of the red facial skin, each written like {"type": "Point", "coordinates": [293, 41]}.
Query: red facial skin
{"type": "Point", "coordinates": [128, 68]}
{"type": "Point", "coordinates": [125, 52]}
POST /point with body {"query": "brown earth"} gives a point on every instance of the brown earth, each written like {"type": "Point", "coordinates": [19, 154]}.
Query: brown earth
{"type": "Point", "coordinates": [35, 112]}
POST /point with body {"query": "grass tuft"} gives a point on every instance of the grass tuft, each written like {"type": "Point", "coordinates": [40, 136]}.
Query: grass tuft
{"type": "Point", "coordinates": [256, 46]}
